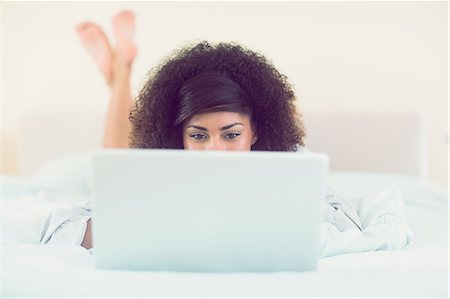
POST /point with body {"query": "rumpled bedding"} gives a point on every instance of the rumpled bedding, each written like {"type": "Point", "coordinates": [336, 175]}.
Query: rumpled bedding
{"type": "Point", "coordinates": [382, 216]}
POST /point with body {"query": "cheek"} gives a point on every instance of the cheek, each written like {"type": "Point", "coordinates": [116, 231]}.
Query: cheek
{"type": "Point", "coordinates": [243, 144]}
{"type": "Point", "coordinates": [189, 145]}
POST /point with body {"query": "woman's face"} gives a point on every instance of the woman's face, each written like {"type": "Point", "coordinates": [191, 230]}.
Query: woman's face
{"type": "Point", "coordinates": [226, 131]}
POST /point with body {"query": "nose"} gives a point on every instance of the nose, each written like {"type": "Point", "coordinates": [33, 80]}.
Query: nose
{"type": "Point", "coordinates": [216, 145]}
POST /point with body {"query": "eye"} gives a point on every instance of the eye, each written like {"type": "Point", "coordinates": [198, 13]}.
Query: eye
{"type": "Point", "coordinates": [198, 136]}
{"type": "Point", "coordinates": [232, 136]}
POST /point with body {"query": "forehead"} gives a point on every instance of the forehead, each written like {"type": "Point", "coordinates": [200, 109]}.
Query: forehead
{"type": "Point", "coordinates": [218, 119]}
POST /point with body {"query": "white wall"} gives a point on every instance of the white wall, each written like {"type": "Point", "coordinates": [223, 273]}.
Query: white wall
{"type": "Point", "coordinates": [341, 56]}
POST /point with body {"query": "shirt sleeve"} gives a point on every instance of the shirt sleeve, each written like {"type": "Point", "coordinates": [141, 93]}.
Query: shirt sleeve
{"type": "Point", "coordinates": [337, 211]}
{"type": "Point", "coordinates": [340, 212]}
{"type": "Point", "coordinates": [66, 226]}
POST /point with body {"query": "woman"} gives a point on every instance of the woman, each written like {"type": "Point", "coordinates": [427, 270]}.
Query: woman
{"type": "Point", "coordinates": [204, 97]}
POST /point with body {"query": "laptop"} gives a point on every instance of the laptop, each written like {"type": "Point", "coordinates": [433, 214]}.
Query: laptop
{"type": "Point", "coordinates": [207, 211]}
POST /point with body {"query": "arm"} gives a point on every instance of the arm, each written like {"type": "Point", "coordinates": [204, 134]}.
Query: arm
{"type": "Point", "coordinates": [67, 225]}
{"type": "Point", "coordinates": [87, 240]}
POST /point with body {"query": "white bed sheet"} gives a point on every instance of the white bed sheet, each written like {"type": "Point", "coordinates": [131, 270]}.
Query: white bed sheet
{"type": "Point", "coordinates": [59, 271]}
{"type": "Point", "coordinates": [31, 270]}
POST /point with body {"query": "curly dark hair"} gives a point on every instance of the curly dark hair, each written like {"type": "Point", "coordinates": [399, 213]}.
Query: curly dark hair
{"type": "Point", "coordinates": [268, 96]}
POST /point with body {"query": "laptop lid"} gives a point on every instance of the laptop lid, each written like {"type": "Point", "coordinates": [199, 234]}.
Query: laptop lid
{"type": "Point", "coordinates": [177, 210]}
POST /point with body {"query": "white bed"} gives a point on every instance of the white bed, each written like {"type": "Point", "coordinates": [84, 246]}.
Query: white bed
{"type": "Point", "coordinates": [419, 270]}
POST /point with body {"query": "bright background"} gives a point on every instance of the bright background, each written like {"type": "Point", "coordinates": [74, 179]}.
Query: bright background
{"type": "Point", "coordinates": [350, 57]}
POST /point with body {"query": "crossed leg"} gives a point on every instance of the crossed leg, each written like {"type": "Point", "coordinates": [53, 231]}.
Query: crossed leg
{"type": "Point", "coordinates": [115, 65]}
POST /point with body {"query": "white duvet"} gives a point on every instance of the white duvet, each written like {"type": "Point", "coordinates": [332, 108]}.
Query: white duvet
{"type": "Point", "coordinates": [395, 210]}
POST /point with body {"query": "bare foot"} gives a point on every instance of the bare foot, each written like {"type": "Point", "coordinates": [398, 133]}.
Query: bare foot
{"type": "Point", "coordinates": [96, 42]}
{"type": "Point", "coordinates": [123, 29]}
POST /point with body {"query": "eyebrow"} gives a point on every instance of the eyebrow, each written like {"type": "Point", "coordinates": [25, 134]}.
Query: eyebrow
{"type": "Point", "coordinates": [221, 129]}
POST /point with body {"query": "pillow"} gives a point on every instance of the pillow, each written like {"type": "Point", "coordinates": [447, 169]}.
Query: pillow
{"type": "Point", "coordinates": [70, 172]}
